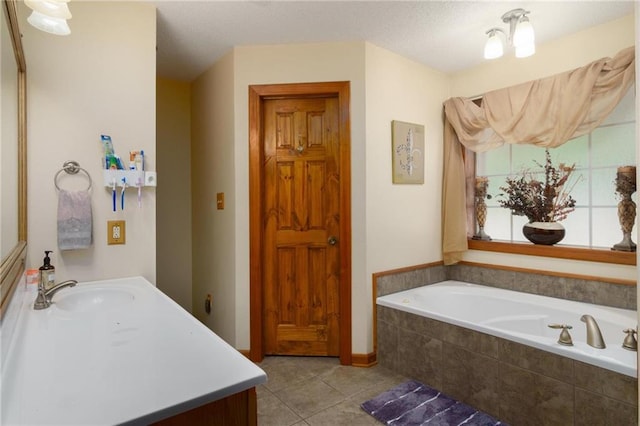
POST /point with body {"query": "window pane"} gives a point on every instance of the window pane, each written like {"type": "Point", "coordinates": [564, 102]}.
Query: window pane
{"type": "Point", "coordinates": [496, 163]}
{"type": "Point", "coordinates": [578, 186]}
{"type": "Point", "coordinates": [495, 182]}
{"type": "Point", "coordinates": [606, 227]}
{"type": "Point", "coordinates": [524, 157]}
{"type": "Point", "coordinates": [625, 111]}
{"type": "Point", "coordinates": [576, 151]}
{"type": "Point", "coordinates": [576, 227]}
{"type": "Point", "coordinates": [613, 145]}
{"type": "Point", "coordinates": [494, 225]}
{"type": "Point", "coordinates": [604, 187]}
{"type": "Point", "coordinates": [518, 223]}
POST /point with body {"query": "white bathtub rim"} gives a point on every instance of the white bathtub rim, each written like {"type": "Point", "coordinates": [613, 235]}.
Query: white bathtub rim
{"type": "Point", "coordinates": [580, 351]}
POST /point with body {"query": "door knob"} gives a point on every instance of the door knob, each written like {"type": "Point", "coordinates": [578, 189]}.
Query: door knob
{"type": "Point", "coordinates": [332, 240]}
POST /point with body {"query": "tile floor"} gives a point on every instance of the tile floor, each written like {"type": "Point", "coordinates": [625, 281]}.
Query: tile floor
{"type": "Point", "coordinates": [319, 391]}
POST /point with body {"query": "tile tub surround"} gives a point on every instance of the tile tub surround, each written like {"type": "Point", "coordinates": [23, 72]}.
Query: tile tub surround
{"type": "Point", "coordinates": [570, 288]}
{"type": "Point", "coordinates": [523, 318]}
{"type": "Point", "coordinates": [513, 382]}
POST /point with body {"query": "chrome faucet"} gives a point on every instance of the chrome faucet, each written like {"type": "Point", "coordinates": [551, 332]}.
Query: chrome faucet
{"type": "Point", "coordinates": [594, 336]}
{"type": "Point", "coordinates": [43, 301]}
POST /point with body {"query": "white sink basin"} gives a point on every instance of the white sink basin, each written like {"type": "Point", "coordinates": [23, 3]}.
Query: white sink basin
{"type": "Point", "coordinates": [92, 298]}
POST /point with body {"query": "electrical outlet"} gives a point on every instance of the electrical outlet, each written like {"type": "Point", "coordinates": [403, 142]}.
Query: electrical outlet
{"type": "Point", "coordinates": [116, 232]}
{"type": "Point", "coordinates": [220, 200]}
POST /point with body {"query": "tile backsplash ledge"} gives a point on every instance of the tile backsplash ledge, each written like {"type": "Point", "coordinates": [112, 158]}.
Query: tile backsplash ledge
{"type": "Point", "coordinates": [570, 288]}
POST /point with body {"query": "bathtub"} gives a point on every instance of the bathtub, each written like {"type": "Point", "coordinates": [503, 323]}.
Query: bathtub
{"type": "Point", "coordinates": [524, 318]}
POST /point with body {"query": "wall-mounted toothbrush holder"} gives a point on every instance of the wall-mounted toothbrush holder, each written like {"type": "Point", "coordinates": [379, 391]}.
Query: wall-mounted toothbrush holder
{"type": "Point", "coordinates": [131, 178]}
{"type": "Point", "coordinates": [120, 180]}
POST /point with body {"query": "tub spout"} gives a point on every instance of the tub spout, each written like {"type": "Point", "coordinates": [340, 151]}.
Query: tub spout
{"type": "Point", "coordinates": [594, 336]}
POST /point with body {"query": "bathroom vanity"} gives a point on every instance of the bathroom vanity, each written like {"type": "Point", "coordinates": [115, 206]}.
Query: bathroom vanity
{"type": "Point", "coordinates": [119, 352]}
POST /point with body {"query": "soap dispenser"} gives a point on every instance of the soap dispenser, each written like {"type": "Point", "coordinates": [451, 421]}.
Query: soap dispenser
{"type": "Point", "coordinates": [47, 272]}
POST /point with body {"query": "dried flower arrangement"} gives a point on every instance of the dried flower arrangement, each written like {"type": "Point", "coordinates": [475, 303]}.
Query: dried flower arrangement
{"type": "Point", "coordinates": [548, 201]}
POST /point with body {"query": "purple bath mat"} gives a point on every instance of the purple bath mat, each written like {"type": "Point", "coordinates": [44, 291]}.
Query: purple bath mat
{"type": "Point", "coordinates": [413, 403]}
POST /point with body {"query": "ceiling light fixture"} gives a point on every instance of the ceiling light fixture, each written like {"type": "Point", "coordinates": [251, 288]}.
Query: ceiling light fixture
{"type": "Point", "coordinates": [50, 16]}
{"type": "Point", "coordinates": [493, 48]}
{"type": "Point", "coordinates": [521, 36]}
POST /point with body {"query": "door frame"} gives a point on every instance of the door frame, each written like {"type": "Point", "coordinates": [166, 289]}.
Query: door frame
{"type": "Point", "coordinates": [257, 95]}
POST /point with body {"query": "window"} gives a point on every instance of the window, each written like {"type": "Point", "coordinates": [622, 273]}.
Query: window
{"type": "Point", "coordinates": [594, 223]}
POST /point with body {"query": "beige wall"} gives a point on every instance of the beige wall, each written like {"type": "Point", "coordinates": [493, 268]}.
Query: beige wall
{"type": "Point", "coordinates": [292, 64]}
{"type": "Point", "coordinates": [173, 217]}
{"type": "Point", "coordinates": [375, 245]}
{"type": "Point", "coordinates": [220, 164]}
{"type": "Point", "coordinates": [562, 55]}
{"type": "Point", "coordinates": [402, 221]}
{"type": "Point", "coordinates": [212, 171]}
{"type": "Point", "coordinates": [98, 80]}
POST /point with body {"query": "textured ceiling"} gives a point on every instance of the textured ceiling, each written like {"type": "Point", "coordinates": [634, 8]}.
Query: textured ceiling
{"type": "Point", "coordinates": [445, 35]}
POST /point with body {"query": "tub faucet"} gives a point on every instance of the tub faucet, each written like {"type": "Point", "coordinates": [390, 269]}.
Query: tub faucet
{"type": "Point", "coordinates": [594, 336]}
{"type": "Point", "coordinates": [565, 337]}
{"type": "Point", "coordinates": [630, 342]}
{"type": "Point", "coordinates": [43, 300]}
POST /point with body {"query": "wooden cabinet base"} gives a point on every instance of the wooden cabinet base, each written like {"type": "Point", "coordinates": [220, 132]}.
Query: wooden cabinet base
{"type": "Point", "coordinates": [239, 409]}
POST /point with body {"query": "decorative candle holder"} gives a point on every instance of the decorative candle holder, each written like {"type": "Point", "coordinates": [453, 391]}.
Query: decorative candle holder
{"type": "Point", "coordinates": [480, 192]}
{"type": "Point", "coordinates": [625, 186]}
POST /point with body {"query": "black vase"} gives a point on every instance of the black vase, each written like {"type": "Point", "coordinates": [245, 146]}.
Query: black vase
{"type": "Point", "coordinates": [546, 233]}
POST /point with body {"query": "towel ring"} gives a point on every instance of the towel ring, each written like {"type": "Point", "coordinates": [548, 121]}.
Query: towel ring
{"type": "Point", "coordinates": [72, 168]}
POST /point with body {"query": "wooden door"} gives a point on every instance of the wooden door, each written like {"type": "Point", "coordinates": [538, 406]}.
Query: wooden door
{"type": "Point", "coordinates": [308, 322]}
{"type": "Point", "coordinates": [301, 252]}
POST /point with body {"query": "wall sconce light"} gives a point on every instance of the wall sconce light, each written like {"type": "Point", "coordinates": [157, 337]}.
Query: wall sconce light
{"type": "Point", "coordinates": [521, 36]}
{"type": "Point", "coordinates": [50, 15]}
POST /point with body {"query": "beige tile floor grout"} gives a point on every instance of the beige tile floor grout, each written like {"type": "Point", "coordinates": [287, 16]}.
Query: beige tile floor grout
{"type": "Point", "coordinates": [319, 391]}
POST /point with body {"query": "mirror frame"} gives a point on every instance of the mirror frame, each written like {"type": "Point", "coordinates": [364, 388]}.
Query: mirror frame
{"type": "Point", "coordinates": [13, 265]}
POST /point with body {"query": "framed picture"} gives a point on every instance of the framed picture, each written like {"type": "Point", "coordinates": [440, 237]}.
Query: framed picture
{"type": "Point", "coordinates": [408, 152]}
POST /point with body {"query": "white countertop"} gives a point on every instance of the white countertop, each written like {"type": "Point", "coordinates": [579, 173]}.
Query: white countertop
{"type": "Point", "coordinates": [138, 362]}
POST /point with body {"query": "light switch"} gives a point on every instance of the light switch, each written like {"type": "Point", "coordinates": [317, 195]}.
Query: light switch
{"type": "Point", "coordinates": [220, 200]}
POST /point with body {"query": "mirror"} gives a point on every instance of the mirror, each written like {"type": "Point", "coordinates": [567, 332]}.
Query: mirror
{"type": "Point", "coordinates": [13, 156]}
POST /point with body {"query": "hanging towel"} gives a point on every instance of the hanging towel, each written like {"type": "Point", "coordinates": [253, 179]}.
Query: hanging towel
{"type": "Point", "coordinates": [75, 227]}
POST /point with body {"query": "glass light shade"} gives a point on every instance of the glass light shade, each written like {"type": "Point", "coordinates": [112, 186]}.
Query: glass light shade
{"type": "Point", "coordinates": [493, 48]}
{"type": "Point", "coordinates": [524, 33]}
{"type": "Point", "coordinates": [51, 8]}
{"type": "Point", "coordinates": [525, 50]}
{"type": "Point", "coordinates": [48, 24]}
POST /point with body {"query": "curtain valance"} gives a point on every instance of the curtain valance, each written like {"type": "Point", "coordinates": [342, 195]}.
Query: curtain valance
{"type": "Point", "coordinates": [546, 113]}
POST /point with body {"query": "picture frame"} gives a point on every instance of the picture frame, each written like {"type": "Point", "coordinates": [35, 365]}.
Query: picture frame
{"type": "Point", "coordinates": [407, 143]}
